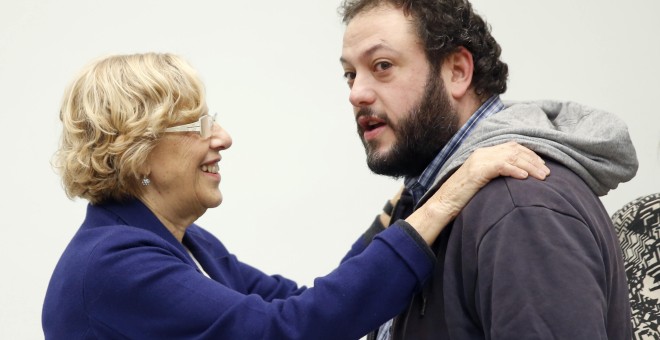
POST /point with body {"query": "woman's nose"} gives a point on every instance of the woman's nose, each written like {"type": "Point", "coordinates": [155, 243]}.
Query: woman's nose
{"type": "Point", "coordinates": [220, 138]}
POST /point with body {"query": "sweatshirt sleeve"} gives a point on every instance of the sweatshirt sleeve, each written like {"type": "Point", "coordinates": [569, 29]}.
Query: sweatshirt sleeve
{"type": "Point", "coordinates": [539, 275]}
{"type": "Point", "coordinates": [136, 288]}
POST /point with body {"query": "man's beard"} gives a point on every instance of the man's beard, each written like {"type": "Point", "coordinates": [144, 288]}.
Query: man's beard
{"type": "Point", "coordinates": [418, 137]}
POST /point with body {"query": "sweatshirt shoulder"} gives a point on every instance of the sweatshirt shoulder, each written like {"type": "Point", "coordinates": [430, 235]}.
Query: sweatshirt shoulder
{"type": "Point", "coordinates": [562, 192]}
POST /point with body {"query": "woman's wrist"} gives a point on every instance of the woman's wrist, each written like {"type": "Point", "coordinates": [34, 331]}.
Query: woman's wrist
{"type": "Point", "coordinates": [431, 218]}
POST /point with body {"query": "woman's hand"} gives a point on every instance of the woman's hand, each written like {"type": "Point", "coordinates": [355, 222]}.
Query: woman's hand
{"type": "Point", "coordinates": [508, 159]}
{"type": "Point", "coordinates": [386, 215]}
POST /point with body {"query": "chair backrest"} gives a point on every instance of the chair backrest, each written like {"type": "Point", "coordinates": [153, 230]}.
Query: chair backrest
{"type": "Point", "coordinates": [638, 227]}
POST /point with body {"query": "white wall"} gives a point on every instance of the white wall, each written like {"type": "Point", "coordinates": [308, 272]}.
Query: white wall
{"type": "Point", "coordinates": [297, 191]}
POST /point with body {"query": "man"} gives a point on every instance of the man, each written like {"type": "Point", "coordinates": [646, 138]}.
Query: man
{"type": "Point", "coordinates": [524, 259]}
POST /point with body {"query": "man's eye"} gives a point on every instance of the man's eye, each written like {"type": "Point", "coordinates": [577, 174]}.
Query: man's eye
{"type": "Point", "coordinates": [349, 75]}
{"type": "Point", "coordinates": [382, 66]}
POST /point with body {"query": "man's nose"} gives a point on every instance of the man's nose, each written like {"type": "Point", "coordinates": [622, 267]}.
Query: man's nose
{"type": "Point", "coordinates": [362, 93]}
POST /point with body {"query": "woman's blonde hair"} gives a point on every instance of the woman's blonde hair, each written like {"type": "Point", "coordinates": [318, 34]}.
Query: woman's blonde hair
{"type": "Point", "coordinates": [112, 115]}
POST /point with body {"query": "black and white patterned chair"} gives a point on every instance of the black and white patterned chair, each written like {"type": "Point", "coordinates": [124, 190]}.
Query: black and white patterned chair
{"type": "Point", "coordinates": [638, 227]}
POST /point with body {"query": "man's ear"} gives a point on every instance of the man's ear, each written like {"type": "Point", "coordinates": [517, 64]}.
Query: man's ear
{"type": "Point", "coordinates": [457, 71]}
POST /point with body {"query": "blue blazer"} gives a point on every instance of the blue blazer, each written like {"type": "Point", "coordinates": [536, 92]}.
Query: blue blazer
{"type": "Point", "coordinates": [125, 276]}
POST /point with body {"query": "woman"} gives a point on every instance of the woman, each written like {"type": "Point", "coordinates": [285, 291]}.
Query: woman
{"type": "Point", "coordinates": [638, 226]}
{"type": "Point", "coordinates": [139, 145]}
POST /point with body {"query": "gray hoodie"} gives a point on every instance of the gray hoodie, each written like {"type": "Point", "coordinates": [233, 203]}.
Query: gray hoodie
{"type": "Point", "coordinates": [592, 143]}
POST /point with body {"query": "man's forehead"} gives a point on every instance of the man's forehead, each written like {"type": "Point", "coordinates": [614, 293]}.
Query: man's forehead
{"type": "Point", "coordinates": [384, 29]}
{"type": "Point", "coordinates": [368, 52]}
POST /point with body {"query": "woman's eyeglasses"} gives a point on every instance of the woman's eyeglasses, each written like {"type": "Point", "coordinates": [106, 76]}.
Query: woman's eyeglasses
{"type": "Point", "coordinates": [204, 126]}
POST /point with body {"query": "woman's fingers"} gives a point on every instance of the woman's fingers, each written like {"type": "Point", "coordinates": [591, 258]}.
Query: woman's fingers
{"type": "Point", "coordinates": [484, 164]}
{"type": "Point", "coordinates": [529, 162]}
{"type": "Point", "coordinates": [508, 159]}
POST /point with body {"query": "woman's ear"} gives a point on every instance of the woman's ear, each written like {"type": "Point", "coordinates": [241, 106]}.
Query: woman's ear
{"type": "Point", "coordinates": [144, 170]}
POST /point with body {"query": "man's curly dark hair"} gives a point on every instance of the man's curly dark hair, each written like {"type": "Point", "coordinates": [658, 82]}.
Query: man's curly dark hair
{"type": "Point", "coordinates": [444, 26]}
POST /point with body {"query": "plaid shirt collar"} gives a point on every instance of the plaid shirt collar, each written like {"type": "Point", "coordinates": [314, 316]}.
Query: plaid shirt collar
{"type": "Point", "coordinates": [417, 186]}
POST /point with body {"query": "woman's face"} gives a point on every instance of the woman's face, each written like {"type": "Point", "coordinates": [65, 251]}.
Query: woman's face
{"type": "Point", "coordinates": [184, 173]}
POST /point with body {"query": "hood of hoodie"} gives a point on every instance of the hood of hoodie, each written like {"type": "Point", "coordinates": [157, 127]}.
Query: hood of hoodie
{"type": "Point", "coordinates": [592, 143]}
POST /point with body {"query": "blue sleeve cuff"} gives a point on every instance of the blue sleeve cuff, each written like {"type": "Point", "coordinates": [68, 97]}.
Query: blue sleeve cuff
{"type": "Point", "coordinates": [411, 248]}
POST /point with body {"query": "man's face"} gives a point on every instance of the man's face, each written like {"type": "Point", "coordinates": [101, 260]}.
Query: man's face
{"type": "Point", "coordinates": [403, 112]}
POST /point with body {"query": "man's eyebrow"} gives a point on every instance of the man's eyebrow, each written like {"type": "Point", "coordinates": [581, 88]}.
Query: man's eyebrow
{"type": "Point", "coordinates": [370, 51]}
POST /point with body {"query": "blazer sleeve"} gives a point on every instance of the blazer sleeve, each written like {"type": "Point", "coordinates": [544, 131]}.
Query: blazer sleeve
{"type": "Point", "coordinates": [268, 287]}
{"type": "Point", "coordinates": [137, 287]}
{"type": "Point", "coordinates": [366, 238]}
